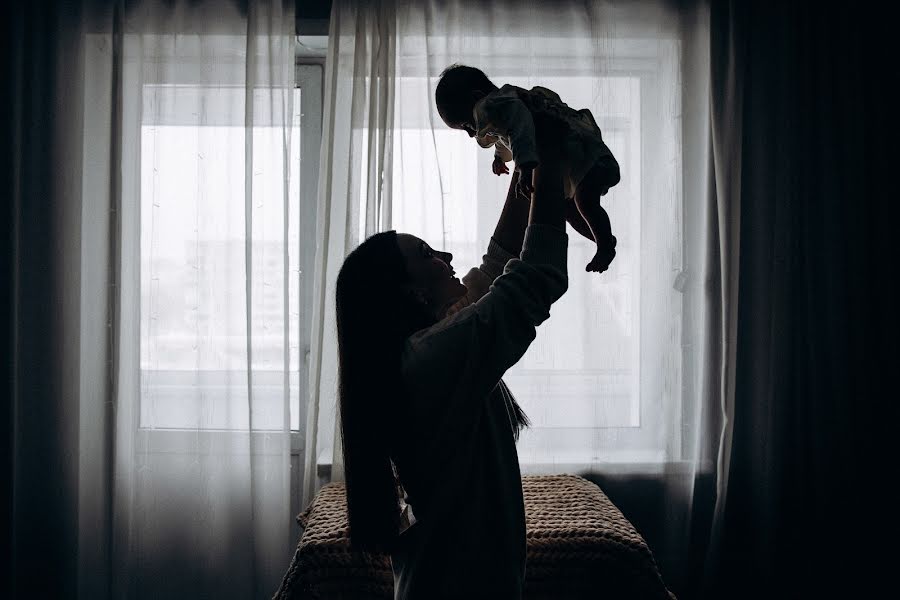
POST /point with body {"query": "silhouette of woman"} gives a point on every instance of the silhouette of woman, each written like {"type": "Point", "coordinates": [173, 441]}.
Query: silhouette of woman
{"type": "Point", "coordinates": [428, 426]}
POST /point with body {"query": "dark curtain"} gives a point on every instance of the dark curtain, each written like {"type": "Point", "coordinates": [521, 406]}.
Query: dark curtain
{"type": "Point", "coordinates": [45, 451]}
{"type": "Point", "coordinates": [800, 93]}
{"type": "Point", "coordinates": [43, 512]}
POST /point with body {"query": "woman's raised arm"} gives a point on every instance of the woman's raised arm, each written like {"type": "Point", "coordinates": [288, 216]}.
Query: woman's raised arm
{"type": "Point", "coordinates": [506, 243]}
{"type": "Point", "coordinates": [476, 345]}
{"type": "Point", "coordinates": [510, 229]}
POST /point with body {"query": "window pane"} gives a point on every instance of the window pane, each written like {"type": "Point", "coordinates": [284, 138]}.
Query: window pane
{"type": "Point", "coordinates": [194, 264]}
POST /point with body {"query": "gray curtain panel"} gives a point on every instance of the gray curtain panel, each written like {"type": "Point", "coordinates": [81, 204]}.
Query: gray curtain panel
{"type": "Point", "coordinates": [120, 116]}
{"type": "Point", "coordinates": [800, 139]}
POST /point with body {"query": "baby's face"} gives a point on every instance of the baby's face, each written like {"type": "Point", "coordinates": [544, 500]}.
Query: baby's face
{"type": "Point", "coordinates": [467, 127]}
{"type": "Point", "coordinates": [458, 116]}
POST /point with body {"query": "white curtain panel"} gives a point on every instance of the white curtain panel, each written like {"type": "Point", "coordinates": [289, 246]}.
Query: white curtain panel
{"type": "Point", "coordinates": [154, 363]}
{"type": "Point", "coordinates": [202, 98]}
{"type": "Point", "coordinates": [618, 381]}
{"type": "Point", "coordinates": [354, 198]}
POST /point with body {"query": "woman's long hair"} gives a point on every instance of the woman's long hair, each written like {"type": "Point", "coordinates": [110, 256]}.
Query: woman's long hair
{"type": "Point", "coordinates": [374, 317]}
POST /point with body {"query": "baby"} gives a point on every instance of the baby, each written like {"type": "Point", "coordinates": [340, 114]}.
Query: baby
{"type": "Point", "coordinates": [505, 118]}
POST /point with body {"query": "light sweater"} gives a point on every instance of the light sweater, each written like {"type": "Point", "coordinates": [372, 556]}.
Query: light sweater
{"type": "Point", "coordinates": [458, 461]}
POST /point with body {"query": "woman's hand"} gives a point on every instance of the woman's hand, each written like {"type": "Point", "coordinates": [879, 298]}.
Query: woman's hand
{"type": "Point", "coordinates": [510, 230]}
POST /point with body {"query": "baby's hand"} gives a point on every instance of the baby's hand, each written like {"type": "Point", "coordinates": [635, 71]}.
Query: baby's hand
{"type": "Point", "coordinates": [499, 167]}
{"type": "Point", "coordinates": [525, 187]}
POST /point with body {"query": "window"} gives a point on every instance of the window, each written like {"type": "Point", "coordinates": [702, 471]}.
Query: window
{"type": "Point", "coordinates": [193, 256]}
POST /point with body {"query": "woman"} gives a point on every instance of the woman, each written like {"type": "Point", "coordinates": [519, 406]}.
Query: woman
{"type": "Point", "coordinates": [424, 411]}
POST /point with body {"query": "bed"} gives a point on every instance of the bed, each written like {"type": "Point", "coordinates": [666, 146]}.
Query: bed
{"type": "Point", "coordinates": [579, 546]}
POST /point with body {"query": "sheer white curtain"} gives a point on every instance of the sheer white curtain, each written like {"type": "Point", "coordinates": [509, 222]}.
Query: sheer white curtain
{"type": "Point", "coordinates": [618, 382]}
{"type": "Point", "coordinates": [207, 353]}
{"type": "Point", "coordinates": [155, 309]}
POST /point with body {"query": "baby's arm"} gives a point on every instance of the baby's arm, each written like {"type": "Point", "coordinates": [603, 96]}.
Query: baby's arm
{"type": "Point", "coordinates": [502, 152]}
{"type": "Point", "coordinates": [502, 155]}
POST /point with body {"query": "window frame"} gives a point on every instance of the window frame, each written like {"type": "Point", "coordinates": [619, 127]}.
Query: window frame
{"type": "Point", "coordinates": [309, 74]}
{"type": "Point", "coordinates": [656, 65]}
{"type": "Point", "coordinates": [309, 78]}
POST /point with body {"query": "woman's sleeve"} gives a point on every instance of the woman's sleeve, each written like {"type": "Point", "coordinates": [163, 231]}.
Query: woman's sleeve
{"type": "Point", "coordinates": [479, 279]}
{"type": "Point", "coordinates": [474, 347]}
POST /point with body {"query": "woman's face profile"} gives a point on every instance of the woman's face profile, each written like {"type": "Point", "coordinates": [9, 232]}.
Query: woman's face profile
{"type": "Point", "coordinates": [432, 273]}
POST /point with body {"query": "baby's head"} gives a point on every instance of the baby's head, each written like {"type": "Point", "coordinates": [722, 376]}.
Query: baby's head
{"type": "Point", "coordinates": [458, 90]}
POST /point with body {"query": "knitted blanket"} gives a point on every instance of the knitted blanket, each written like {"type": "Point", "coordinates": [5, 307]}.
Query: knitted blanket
{"type": "Point", "coordinates": [579, 546]}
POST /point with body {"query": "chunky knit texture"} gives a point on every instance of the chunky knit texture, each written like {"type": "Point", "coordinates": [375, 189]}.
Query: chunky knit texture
{"type": "Point", "coordinates": [579, 545]}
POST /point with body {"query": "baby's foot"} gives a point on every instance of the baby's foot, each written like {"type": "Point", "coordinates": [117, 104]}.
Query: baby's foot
{"type": "Point", "coordinates": [605, 255]}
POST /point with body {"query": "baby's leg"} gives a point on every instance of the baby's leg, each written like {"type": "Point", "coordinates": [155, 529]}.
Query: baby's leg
{"type": "Point", "coordinates": [587, 200]}
{"type": "Point", "coordinates": [574, 218]}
